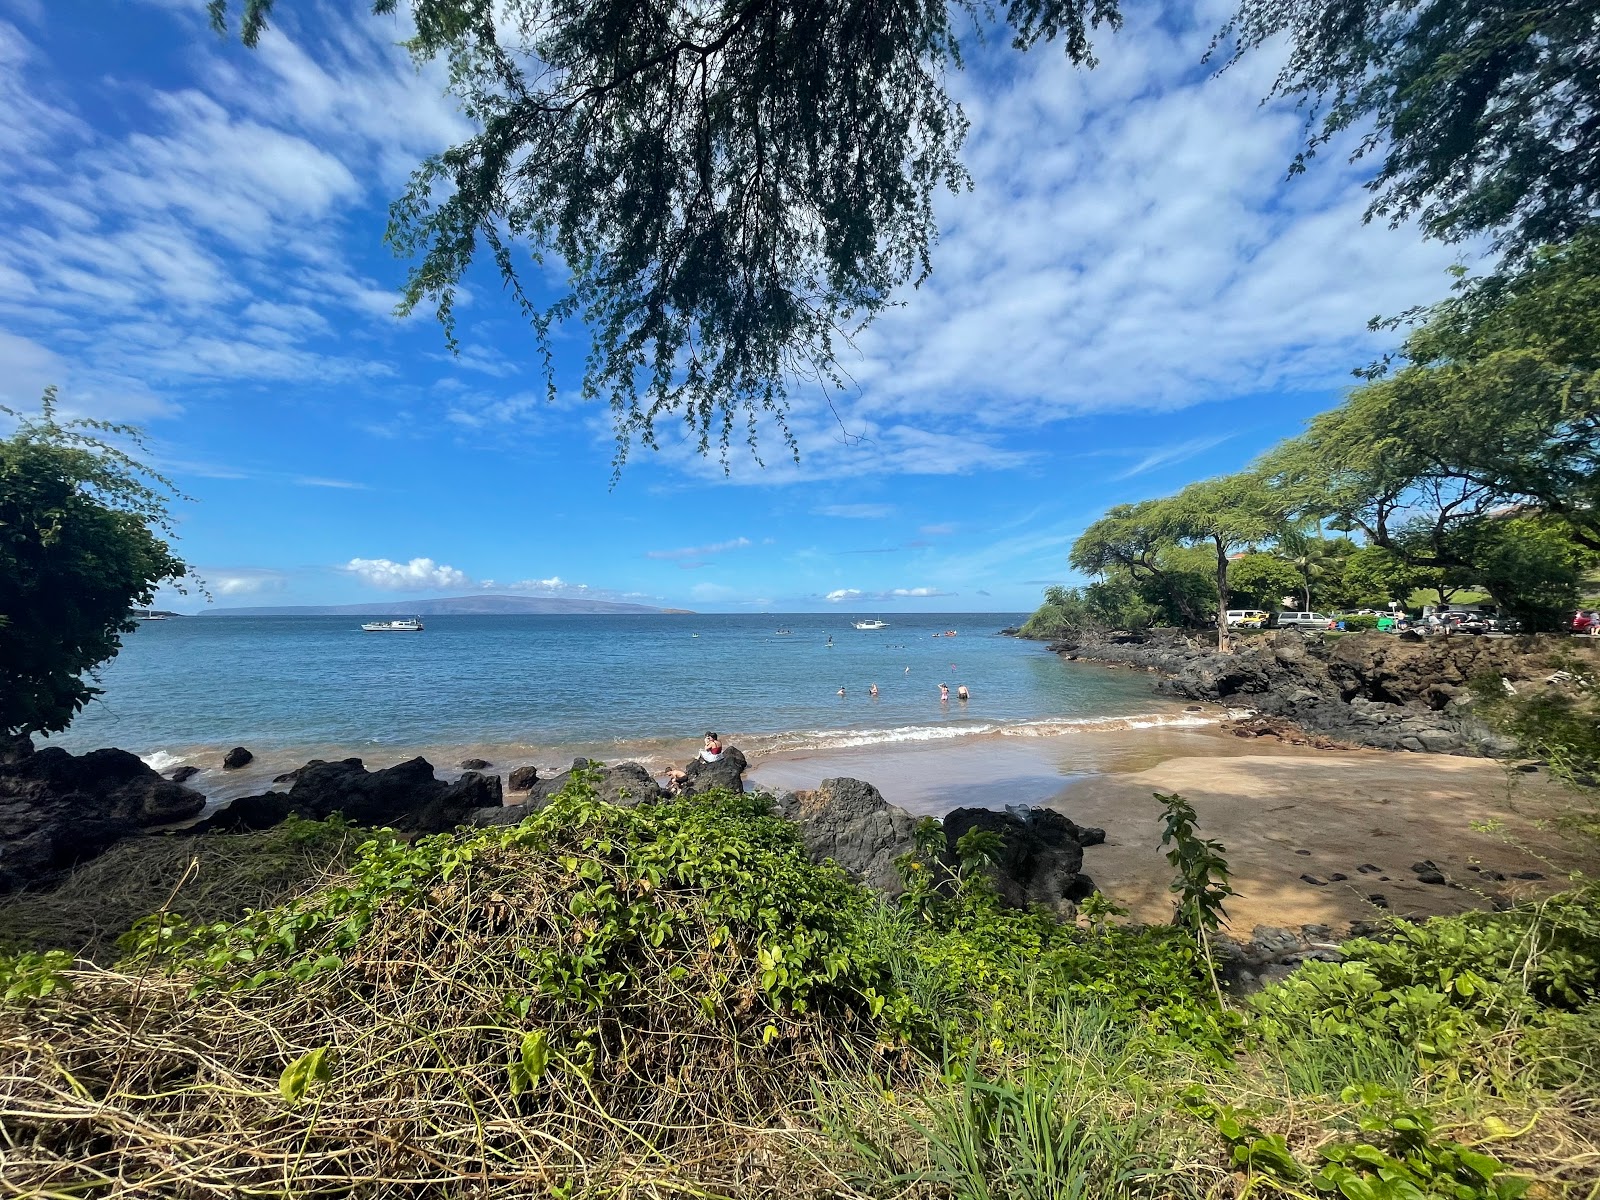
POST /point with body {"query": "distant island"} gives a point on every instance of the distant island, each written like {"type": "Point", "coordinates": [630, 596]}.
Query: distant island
{"type": "Point", "coordinates": [448, 606]}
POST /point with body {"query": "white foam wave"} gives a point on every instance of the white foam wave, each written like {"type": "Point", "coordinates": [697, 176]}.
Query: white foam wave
{"type": "Point", "coordinates": [160, 760]}
{"type": "Point", "coordinates": [844, 739]}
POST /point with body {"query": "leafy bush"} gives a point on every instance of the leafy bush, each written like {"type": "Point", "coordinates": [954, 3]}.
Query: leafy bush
{"type": "Point", "coordinates": [1355, 622]}
{"type": "Point", "coordinates": [1432, 986]}
{"type": "Point", "coordinates": [521, 1007]}
{"type": "Point", "coordinates": [1400, 1156]}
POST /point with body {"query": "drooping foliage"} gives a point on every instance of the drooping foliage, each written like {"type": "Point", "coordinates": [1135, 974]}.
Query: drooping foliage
{"type": "Point", "coordinates": [732, 189]}
{"type": "Point", "coordinates": [81, 525]}
{"type": "Point", "coordinates": [1484, 114]}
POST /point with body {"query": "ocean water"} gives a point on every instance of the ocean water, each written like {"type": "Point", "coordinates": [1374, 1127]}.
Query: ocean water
{"type": "Point", "coordinates": [545, 688]}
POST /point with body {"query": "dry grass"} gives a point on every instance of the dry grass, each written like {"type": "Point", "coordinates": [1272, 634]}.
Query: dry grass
{"type": "Point", "coordinates": [128, 1086]}
{"type": "Point", "coordinates": [213, 878]}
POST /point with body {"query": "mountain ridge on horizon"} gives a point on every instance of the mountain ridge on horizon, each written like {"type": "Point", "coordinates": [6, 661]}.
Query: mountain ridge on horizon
{"type": "Point", "coordinates": [449, 606]}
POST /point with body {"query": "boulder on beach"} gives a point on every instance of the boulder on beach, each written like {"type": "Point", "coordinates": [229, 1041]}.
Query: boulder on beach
{"type": "Point", "coordinates": [59, 809]}
{"type": "Point", "coordinates": [474, 764]}
{"type": "Point", "coordinates": [1041, 859]}
{"type": "Point", "coordinates": [522, 779]}
{"type": "Point", "coordinates": [850, 822]}
{"type": "Point", "coordinates": [406, 796]}
{"type": "Point", "coordinates": [236, 758]}
{"type": "Point", "coordinates": [625, 783]}
{"type": "Point", "coordinates": [184, 773]}
{"type": "Point", "coordinates": [727, 772]}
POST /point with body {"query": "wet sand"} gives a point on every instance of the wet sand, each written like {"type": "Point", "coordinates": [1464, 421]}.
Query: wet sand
{"type": "Point", "coordinates": [1281, 811]}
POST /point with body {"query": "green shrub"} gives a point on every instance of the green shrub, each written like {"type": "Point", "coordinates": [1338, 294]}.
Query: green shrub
{"type": "Point", "coordinates": [1432, 986]}
{"type": "Point", "coordinates": [1355, 622]}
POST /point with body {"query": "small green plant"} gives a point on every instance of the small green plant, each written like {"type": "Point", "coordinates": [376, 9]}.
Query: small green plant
{"type": "Point", "coordinates": [1399, 1157]}
{"type": "Point", "coordinates": [1201, 882]}
{"type": "Point", "coordinates": [32, 976]}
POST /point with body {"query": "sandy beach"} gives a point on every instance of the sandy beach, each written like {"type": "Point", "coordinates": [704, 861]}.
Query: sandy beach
{"type": "Point", "coordinates": [1282, 811]}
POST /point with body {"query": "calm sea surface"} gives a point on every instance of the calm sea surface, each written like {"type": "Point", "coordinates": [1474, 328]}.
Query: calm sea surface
{"type": "Point", "coordinates": [542, 688]}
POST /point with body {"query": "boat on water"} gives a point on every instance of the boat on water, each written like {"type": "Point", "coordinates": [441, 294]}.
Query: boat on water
{"type": "Point", "coordinates": [151, 614]}
{"type": "Point", "coordinates": [403, 625]}
{"type": "Point", "coordinates": [872, 624]}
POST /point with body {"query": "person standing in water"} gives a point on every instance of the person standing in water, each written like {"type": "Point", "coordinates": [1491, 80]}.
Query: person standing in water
{"type": "Point", "coordinates": [962, 694]}
{"type": "Point", "coordinates": [944, 693]}
{"type": "Point", "coordinates": [873, 691]}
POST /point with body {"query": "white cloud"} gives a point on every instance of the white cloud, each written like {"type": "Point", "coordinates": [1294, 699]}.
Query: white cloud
{"type": "Point", "coordinates": [241, 581]}
{"type": "Point", "coordinates": [209, 242]}
{"type": "Point", "coordinates": [554, 586]}
{"type": "Point", "coordinates": [417, 575]}
{"type": "Point", "coordinates": [341, 484]}
{"type": "Point", "coordinates": [738, 543]}
{"type": "Point", "coordinates": [1131, 244]}
{"type": "Point", "coordinates": [841, 595]}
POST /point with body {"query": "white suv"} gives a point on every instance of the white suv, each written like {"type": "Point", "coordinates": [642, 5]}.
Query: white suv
{"type": "Point", "coordinates": [1303, 620]}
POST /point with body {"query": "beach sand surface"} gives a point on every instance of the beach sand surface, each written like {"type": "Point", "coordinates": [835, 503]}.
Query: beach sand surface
{"type": "Point", "coordinates": [1281, 811]}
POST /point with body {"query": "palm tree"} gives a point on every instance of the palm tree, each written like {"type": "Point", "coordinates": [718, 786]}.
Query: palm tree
{"type": "Point", "coordinates": [1309, 553]}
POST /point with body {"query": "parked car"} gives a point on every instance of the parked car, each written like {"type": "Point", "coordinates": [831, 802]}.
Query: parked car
{"type": "Point", "coordinates": [1248, 618]}
{"type": "Point", "coordinates": [1585, 621]}
{"type": "Point", "coordinates": [1303, 620]}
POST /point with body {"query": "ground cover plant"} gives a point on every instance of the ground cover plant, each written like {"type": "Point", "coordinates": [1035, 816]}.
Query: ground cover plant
{"type": "Point", "coordinates": [673, 1000]}
{"type": "Point", "coordinates": [208, 879]}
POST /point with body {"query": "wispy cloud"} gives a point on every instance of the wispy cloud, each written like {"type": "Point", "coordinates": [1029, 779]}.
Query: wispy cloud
{"type": "Point", "coordinates": [241, 581]}
{"type": "Point", "coordinates": [1166, 456]}
{"type": "Point", "coordinates": [342, 484]}
{"type": "Point", "coordinates": [696, 552]}
{"type": "Point", "coordinates": [844, 595]}
{"type": "Point", "coordinates": [857, 512]}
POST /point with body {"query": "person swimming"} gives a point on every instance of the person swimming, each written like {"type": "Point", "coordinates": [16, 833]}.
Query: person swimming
{"type": "Point", "coordinates": [873, 691]}
{"type": "Point", "coordinates": [841, 691]}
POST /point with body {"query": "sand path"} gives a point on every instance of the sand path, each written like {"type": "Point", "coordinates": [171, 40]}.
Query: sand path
{"type": "Point", "coordinates": [1327, 813]}
{"type": "Point", "coordinates": [1265, 801]}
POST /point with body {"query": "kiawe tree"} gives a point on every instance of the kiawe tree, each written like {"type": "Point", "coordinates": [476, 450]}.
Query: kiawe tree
{"type": "Point", "coordinates": [80, 545]}
{"type": "Point", "coordinates": [1484, 115]}
{"type": "Point", "coordinates": [733, 188]}
{"type": "Point", "coordinates": [1226, 515]}
{"type": "Point", "coordinates": [1134, 540]}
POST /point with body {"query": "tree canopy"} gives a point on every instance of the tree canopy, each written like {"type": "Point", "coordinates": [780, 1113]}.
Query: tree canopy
{"type": "Point", "coordinates": [80, 545]}
{"type": "Point", "coordinates": [1493, 409]}
{"type": "Point", "coordinates": [733, 188]}
{"type": "Point", "coordinates": [1485, 113]}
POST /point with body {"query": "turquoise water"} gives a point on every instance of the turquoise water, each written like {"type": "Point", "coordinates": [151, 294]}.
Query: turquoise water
{"type": "Point", "coordinates": [544, 687]}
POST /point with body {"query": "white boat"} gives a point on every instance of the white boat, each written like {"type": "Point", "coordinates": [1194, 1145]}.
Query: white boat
{"type": "Point", "coordinates": [151, 614]}
{"type": "Point", "coordinates": [872, 624]}
{"type": "Point", "coordinates": [404, 625]}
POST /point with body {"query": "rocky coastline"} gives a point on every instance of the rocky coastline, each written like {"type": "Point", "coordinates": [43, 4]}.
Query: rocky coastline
{"type": "Point", "coordinates": [1373, 690]}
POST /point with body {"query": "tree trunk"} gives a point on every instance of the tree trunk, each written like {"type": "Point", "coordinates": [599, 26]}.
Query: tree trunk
{"type": "Point", "coordinates": [1222, 597]}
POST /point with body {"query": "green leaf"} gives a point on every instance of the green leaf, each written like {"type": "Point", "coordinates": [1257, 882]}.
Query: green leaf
{"type": "Point", "coordinates": [298, 1076]}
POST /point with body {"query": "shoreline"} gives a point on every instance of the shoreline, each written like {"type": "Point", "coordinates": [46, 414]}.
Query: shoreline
{"type": "Point", "coordinates": [658, 755]}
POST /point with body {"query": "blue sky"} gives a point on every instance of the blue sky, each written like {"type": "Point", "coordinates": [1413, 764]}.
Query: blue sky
{"type": "Point", "coordinates": [1132, 297]}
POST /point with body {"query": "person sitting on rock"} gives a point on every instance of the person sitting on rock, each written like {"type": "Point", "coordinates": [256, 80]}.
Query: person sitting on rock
{"type": "Point", "coordinates": [709, 753]}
